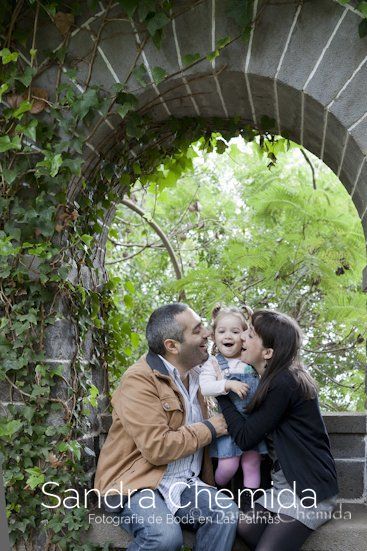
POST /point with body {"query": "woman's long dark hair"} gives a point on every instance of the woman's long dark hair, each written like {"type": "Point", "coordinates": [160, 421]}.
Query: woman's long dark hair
{"type": "Point", "coordinates": [283, 334]}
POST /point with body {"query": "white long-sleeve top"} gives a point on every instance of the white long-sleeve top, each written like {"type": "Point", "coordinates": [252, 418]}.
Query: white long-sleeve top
{"type": "Point", "coordinates": [211, 379]}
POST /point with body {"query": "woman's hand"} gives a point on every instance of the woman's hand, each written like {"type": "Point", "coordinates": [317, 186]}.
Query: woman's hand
{"type": "Point", "coordinates": [241, 389]}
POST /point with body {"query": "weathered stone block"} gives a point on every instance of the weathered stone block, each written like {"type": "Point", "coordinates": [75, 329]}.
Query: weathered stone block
{"type": "Point", "coordinates": [106, 422]}
{"type": "Point", "coordinates": [262, 90]}
{"type": "Point", "coordinates": [341, 59]}
{"type": "Point", "coordinates": [334, 142]}
{"type": "Point", "coordinates": [350, 478]}
{"type": "Point", "coordinates": [345, 422]}
{"type": "Point", "coordinates": [234, 90]}
{"type": "Point", "coordinates": [8, 393]}
{"type": "Point", "coordinates": [88, 453]}
{"type": "Point", "coordinates": [313, 124]}
{"type": "Point", "coordinates": [300, 58]}
{"type": "Point", "coordinates": [268, 45]}
{"type": "Point", "coordinates": [289, 104]}
{"type": "Point", "coordinates": [60, 340]}
{"type": "Point", "coordinates": [359, 134]}
{"type": "Point", "coordinates": [348, 446]}
{"type": "Point", "coordinates": [351, 104]}
{"type": "Point", "coordinates": [351, 165]}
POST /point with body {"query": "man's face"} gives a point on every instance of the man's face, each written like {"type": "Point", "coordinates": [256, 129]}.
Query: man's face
{"type": "Point", "coordinates": [194, 349]}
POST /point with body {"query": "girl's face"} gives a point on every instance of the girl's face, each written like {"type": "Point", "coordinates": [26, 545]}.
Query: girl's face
{"type": "Point", "coordinates": [227, 336]}
{"type": "Point", "coordinates": [253, 350]}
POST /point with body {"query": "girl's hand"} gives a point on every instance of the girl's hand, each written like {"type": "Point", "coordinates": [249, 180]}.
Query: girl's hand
{"type": "Point", "coordinates": [241, 389]}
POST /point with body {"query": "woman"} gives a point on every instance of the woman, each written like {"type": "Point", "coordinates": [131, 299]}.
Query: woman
{"type": "Point", "coordinates": [285, 411]}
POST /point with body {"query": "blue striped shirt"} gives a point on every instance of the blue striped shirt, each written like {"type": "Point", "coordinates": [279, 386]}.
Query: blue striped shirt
{"type": "Point", "coordinates": [185, 470]}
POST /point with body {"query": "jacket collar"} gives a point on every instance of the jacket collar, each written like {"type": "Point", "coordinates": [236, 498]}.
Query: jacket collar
{"type": "Point", "coordinates": [156, 363]}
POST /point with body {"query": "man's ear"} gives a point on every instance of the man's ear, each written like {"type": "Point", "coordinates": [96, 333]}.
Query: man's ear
{"type": "Point", "coordinates": [268, 353]}
{"type": "Point", "coordinates": [171, 346]}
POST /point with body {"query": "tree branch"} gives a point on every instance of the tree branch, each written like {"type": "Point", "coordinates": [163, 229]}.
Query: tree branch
{"type": "Point", "coordinates": [308, 161]}
{"type": "Point", "coordinates": [158, 230]}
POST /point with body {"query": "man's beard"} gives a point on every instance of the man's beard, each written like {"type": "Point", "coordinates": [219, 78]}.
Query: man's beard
{"type": "Point", "coordinates": [196, 357]}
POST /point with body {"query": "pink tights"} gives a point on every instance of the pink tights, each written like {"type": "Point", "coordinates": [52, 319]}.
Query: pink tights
{"type": "Point", "coordinates": [250, 463]}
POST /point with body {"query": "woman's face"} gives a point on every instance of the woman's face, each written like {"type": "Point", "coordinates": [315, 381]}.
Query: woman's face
{"type": "Point", "coordinates": [253, 351]}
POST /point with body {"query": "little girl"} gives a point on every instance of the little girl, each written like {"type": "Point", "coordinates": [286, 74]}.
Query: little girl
{"type": "Point", "coordinates": [226, 373]}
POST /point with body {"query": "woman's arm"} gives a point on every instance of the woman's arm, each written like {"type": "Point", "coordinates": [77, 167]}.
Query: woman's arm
{"type": "Point", "coordinates": [210, 383]}
{"type": "Point", "coordinates": [249, 431]}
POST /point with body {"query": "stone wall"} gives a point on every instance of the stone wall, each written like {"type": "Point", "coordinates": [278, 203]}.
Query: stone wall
{"type": "Point", "coordinates": [348, 440]}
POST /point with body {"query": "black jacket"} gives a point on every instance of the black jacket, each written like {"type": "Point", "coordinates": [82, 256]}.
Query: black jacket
{"type": "Point", "coordinates": [299, 434]}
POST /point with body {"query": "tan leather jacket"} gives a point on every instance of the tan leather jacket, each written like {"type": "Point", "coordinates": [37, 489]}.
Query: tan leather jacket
{"type": "Point", "coordinates": [148, 430]}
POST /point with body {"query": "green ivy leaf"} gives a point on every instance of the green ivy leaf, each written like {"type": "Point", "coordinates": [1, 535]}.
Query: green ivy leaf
{"type": "Point", "coordinates": [134, 126]}
{"type": "Point", "coordinates": [7, 56]}
{"type": "Point", "coordinates": [158, 74]}
{"type": "Point", "coordinates": [28, 130]}
{"type": "Point", "coordinates": [87, 239]}
{"type": "Point", "coordinates": [74, 165]}
{"type": "Point", "coordinates": [157, 22]}
{"type": "Point", "coordinates": [362, 28]}
{"type": "Point", "coordinates": [221, 146]}
{"type": "Point", "coordinates": [125, 179]}
{"type": "Point", "coordinates": [93, 395]}
{"type": "Point", "coordinates": [129, 6]}
{"type": "Point", "coordinates": [27, 76]}
{"type": "Point", "coordinates": [3, 89]}
{"type": "Point", "coordinates": [9, 428]}
{"type": "Point", "coordinates": [267, 123]}
{"type": "Point", "coordinates": [222, 42]}
{"type": "Point", "coordinates": [241, 11]}
{"type": "Point", "coordinates": [126, 102]}
{"type": "Point", "coordinates": [141, 75]}
{"type": "Point", "coordinates": [145, 8]}
{"type": "Point", "coordinates": [7, 143]}
{"type": "Point", "coordinates": [157, 38]}
{"type": "Point", "coordinates": [37, 478]}
{"type": "Point", "coordinates": [51, 162]}
{"type": "Point", "coordinates": [189, 59]}
{"type": "Point", "coordinates": [23, 108]}
{"type": "Point", "coordinates": [85, 103]}
{"type": "Point", "coordinates": [212, 55]}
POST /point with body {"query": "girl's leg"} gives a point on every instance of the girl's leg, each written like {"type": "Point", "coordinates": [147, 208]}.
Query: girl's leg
{"type": "Point", "coordinates": [250, 462]}
{"type": "Point", "coordinates": [227, 467]}
{"type": "Point", "coordinates": [285, 533]}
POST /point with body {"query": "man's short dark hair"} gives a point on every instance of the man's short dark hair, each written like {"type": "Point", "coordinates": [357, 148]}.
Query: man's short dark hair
{"type": "Point", "coordinates": [163, 325]}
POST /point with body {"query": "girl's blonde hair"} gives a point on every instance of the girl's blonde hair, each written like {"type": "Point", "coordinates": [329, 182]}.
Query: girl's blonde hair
{"type": "Point", "coordinates": [243, 314]}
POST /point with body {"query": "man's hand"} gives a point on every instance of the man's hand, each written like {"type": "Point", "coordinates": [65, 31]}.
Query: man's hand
{"type": "Point", "coordinates": [219, 424]}
{"type": "Point", "coordinates": [241, 389]}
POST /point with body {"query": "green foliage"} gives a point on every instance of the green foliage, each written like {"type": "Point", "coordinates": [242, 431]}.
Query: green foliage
{"type": "Point", "coordinates": [254, 235]}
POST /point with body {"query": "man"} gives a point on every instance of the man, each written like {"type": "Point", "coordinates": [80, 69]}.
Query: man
{"type": "Point", "coordinates": [154, 453]}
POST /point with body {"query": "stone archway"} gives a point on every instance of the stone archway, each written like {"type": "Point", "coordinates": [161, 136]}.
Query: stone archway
{"type": "Point", "coordinates": [304, 66]}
